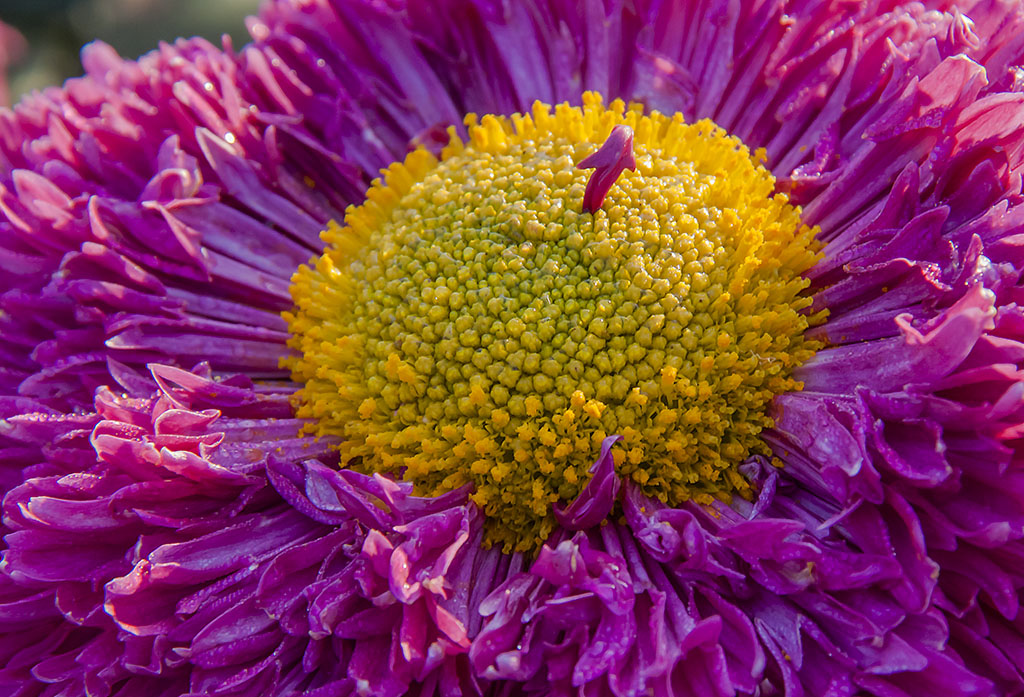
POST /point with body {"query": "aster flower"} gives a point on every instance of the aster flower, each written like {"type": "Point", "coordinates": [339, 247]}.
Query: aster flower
{"type": "Point", "coordinates": [226, 472]}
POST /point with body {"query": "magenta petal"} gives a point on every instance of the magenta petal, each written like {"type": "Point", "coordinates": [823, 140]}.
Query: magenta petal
{"type": "Point", "coordinates": [599, 495]}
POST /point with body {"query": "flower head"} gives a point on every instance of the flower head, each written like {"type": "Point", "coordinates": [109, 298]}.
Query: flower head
{"type": "Point", "coordinates": [742, 420]}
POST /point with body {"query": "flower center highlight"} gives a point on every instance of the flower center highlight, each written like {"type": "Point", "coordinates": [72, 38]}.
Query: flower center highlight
{"type": "Point", "coordinates": [470, 323]}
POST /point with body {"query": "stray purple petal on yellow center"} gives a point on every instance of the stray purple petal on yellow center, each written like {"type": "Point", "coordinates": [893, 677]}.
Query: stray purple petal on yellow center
{"type": "Point", "coordinates": [610, 160]}
{"type": "Point", "coordinates": [179, 519]}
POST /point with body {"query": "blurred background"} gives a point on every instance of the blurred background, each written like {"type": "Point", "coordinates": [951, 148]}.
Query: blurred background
{"type": "Point", "coordinates": [55, 30]}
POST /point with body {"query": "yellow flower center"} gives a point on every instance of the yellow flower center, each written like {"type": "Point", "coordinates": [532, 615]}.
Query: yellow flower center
{"type": "Point", "coordinates": [469, 323]}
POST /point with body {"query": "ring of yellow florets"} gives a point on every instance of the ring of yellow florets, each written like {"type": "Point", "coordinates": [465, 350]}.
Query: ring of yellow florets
{"type": "Point", "coordinates": [470, 324]}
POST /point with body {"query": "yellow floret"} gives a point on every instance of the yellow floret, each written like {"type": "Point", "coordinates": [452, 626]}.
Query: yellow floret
{"type": "Point", "coordinates": [469, 323]}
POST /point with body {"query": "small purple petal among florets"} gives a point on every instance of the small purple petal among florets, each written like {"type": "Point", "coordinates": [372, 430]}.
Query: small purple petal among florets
{"type": "Point", "coordinates": [609, 161]}
{"type": "Point", "coordinates": [596, 502]}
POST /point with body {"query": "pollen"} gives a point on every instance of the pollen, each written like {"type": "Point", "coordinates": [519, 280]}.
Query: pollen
{"type": "Point", "coordinates": [472, 322]}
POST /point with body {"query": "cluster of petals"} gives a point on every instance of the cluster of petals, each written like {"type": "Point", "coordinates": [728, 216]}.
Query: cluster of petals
{"type": "Point", "coordinates": [168, 530]}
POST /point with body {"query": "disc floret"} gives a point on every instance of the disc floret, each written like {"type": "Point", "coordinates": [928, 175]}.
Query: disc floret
{"type": "Point", "coordinates": [471, 324]}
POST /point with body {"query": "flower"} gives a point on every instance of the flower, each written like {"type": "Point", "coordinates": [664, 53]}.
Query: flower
{"type": "Point", "coordinates": [173, 525]}
{"type": "Point", "coordinates": [12, 45]}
